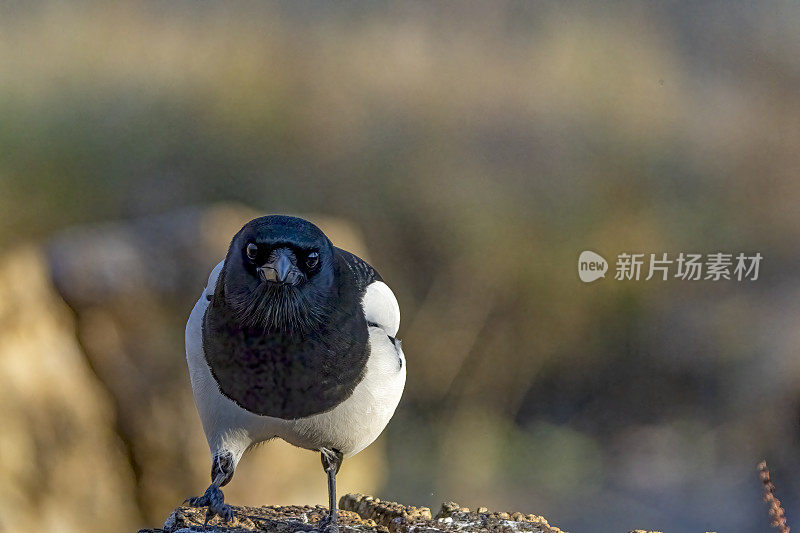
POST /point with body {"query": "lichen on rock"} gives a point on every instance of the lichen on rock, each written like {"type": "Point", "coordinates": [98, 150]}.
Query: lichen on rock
{"type": "Point", "coordinates": [358, 514]}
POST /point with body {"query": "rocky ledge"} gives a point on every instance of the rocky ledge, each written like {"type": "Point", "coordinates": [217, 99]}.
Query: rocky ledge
{"type": "Point", "coordinates": [358, 514]}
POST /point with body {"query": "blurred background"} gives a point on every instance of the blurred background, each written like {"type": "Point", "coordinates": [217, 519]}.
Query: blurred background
{"type": "Point", "coordinates": [470, 152]}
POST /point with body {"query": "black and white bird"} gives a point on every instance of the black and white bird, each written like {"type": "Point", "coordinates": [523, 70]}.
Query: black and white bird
{"type": "Point", "coordinates": [292, 338]}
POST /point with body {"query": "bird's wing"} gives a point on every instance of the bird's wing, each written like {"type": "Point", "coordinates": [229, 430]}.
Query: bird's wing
{"type": "Point", "coordinates": [208, 292]}
{"type": "Point", "coordinates": [362, 272]}
{"type": "Point", "coordinates": [381, 307]}
{"type": "Point", "coordinates": [379, 303]}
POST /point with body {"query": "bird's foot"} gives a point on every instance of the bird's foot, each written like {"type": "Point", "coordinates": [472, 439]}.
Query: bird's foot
{"type": "Point", "coordinates": [215, 501]}
{"type": "Point", "coordinates": [328, 524]}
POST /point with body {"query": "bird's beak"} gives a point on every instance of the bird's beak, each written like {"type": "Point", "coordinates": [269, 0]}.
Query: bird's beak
{"type": "Point", "coordinates": [277, 270]}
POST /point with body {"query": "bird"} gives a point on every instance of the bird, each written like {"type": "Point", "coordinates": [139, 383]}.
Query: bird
{"type": "Point", "coordinates": [292, 338]}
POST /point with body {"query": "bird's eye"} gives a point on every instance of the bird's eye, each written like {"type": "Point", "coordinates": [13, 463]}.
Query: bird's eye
{"type": "Point", "coordinates": [252, 251]}
{"type": "Point", "coordinates": [312, 260]}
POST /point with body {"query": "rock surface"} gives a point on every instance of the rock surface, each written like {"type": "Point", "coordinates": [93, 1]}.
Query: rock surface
{"type": "Point", "coordinates": [63, 467]}
{"type": "Point", "coordinates": [358, 513]}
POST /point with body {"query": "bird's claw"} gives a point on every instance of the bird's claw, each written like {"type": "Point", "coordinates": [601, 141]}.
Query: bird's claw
{"type": "Point", "coordinates": [225, 512]}
{"type": "Point", "coordinates": [328, 525]}
{"type": "Point", "coordinates": [332, 527]}
{"type": "Point", "coordinates": [215, 501]}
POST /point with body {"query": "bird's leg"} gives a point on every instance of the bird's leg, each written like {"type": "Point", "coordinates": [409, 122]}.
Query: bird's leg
{"type": "Point", "coordinates": [222, 467]}
{"type": "Point", "coordinates": [331, 462]}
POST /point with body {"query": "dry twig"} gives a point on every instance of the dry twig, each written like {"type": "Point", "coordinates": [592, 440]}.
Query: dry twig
{"type": "Point", "coordinates": [776, 512]}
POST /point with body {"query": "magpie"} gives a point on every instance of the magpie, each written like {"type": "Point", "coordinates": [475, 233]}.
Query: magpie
{"type": "Point", "coordinates": [292, 338]}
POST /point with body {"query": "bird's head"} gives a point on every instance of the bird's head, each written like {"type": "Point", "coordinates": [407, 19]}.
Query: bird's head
{"type": "Point", "coordinates": [279, 274]}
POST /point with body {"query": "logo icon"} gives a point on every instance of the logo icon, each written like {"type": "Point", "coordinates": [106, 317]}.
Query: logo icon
{"type": "Point", "coordinates": [591, 266]}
